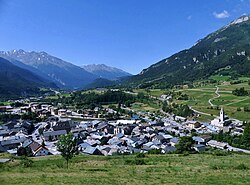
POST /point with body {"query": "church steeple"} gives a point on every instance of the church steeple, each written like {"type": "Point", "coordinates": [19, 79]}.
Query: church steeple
{"type": "Point", "coordinates": [222, 115]}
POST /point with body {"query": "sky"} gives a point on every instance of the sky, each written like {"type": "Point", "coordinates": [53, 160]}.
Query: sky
{"type": "Point", "coordinates": [128, 34]}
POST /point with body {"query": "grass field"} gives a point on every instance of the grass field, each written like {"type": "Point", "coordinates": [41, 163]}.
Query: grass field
{"type": "Point", "coordinates": [5, 103]}
{"type": "Point", "coordinates": [158, 169]}
{"type": "Point", "coordinates": [150, 107]}
{"type": "Point", "coordinates": [198, 99]}
{"type": "Point", "coordinates": [152, 92]}
{"type": "Point", "coordinates": [220, 78]}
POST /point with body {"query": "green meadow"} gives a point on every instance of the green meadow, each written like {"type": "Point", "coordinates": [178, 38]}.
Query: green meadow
{"type": "Point", "coordinates": [233, 105]}
{"type": "Point", "coordinates": [153, 169]}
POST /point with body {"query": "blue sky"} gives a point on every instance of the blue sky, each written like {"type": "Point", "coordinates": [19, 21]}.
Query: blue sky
{"type": "Point", "coordinates": [128, 34]}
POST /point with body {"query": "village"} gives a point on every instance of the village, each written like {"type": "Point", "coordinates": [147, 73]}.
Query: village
{"type": "Point", "coordinates": [98, 136]}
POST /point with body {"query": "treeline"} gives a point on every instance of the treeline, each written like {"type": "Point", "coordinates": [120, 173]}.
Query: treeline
{"type": "Point", "coordinates": [4, 118]}
{"type": "Point", "coordinates": [241, 92]}
{"type": "Point", "coordinates": [241, 141]}
{"type": "Point", "coordinates": [91, 100]}
{"type": "Point", "coordinates": [177, 109]}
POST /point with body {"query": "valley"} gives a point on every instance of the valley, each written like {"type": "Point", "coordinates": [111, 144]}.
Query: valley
{"type": "Point", "coordinates": [183, 120]}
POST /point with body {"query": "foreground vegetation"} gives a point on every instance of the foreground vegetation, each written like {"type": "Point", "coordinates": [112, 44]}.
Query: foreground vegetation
{"type": "Point", "coordinates": [152, 169]}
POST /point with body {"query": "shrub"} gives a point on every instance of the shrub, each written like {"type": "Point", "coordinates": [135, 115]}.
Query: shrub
{"type": "Point", "coordinates": [185, 153]}
{"type": "Point", "coordinates": [241, 167]}
{"type": "Point", "coordinates": [154, 151]}
{"type": "Point", "coordinates": [135, 162]}
{"type": "Point", "coordinates": [217, 167]}
{"type": "Point", "coordinates": [220, 153]}
{"type": "Point", "coordinates": [25, 162]}
{"type": "Point", "coordinates": [140, 162]}
{"type": "Point", "coordinates": [140, 155]}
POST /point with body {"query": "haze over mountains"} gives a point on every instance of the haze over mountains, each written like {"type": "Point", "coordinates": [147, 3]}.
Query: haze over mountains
{"type": "Point", "coordinates": [224, 52]}
{"type": "Point", "coordinates": [64, 74]}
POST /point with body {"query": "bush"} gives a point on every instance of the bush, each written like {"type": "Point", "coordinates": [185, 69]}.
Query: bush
{"type": "Point", "coordinates": [240, 92]}
{"type": "Point", "coordinates": [154, 151]}
{"type": "Point", "coordinates": [221, 153]}
{"type": "Point", "coordinates": [25, 162]}
{"type": "Point", "coordinates": [241, 167]}
{"type": "Point", "coordinates": [140, 162]}
{"type": "Point", "coordinates": [185, 153]}
{"type": "Point", "coordinates": [140, 155]}
{"type": "Point", "coordinates": [135, 162]}
{"type": "Point", "coordinates": [216, 167]}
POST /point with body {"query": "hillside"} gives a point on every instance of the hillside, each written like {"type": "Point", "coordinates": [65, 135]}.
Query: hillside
{"type": "Point", "coordinates": [223, 52]}
{"type": "Point", "coordinates": [64, 74]}
{"type": "Point", "coordinates": [15, 81]}
{"type": "Point", "coordinates": [101, 82]}
{"type": "Point", "coordinates": [157, 169]}
{"type": "Point", "coordinates": [104, 71]}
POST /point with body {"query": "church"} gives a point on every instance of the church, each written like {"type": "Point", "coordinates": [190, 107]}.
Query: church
{"type": "Point", "coordinates": [221, 120]}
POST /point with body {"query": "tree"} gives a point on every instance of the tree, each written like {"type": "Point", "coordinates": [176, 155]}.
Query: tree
{"type": "Point", "coordinates": [246, 135]}
{"type": "Point", "coordinates": [40, 131]}
{"type": "Point", "coordinates": [185, 144]}
{"type": "Point", "coordinates": [240, 92]}
{"type": "Point", "coordinates": [246, 109]}
{"type": "Point", "coordinates": [67, 145]}
{"type": "Point", "coordinates": [21, 151]}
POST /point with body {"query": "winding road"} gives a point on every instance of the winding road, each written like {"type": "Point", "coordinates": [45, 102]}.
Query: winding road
{"type": "Point", "coordinates": [199, 112]}
{"type": "Point", "coordinates": [218, 95]}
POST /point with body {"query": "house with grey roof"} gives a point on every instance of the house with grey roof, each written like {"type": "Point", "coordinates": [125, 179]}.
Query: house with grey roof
{"type": "Point", "coordinates": [4, 133]}
{"type": "Point", "coordinates": [174, 141]}
{"type": "Point", "coordinates": [13, 142]}
{"type": "Point", "coordinates": [53, 135]}
{"type": "Point", "coordinates": [168, 149]}
{"type": "Point", "coordinates": [89, 150]}
{"type": "Point", "coordinates": [199, 148]}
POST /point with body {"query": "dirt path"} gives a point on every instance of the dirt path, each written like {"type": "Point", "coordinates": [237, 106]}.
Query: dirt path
{"type": "Point", "coordinates": [237, 101]}
{"type": "Point", "coordinates": [218, 95]}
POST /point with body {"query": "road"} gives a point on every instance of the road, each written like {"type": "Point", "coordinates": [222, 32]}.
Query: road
{"type": "Point", "coordinates": [56, 92]}
{"type": "Point", "coordinates": [161, 99]}
{"type": "Point", "coordinates": [237, 101]}
{"type": "Point", "coordinates": [218, 95]}
{"type": "Point", "coordinates": [238, 150]}
{"type": "Point", "coordinates": [199, 112]}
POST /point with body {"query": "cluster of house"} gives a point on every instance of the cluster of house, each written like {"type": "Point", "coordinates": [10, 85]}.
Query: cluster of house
{"type": "Point", "coordinates": [97, 137]}
{"type": "Point", "coordinates": [15, 134]}
{"type": "Point", "coordinates": [46, 110]}
{"type": "Point", "coordinates": [102, 137]}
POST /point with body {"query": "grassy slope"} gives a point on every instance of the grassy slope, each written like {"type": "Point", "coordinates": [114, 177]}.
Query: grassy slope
{"type": "Point", "coordinates": [163, 169]}
{"type": "Point", "coordinates": [199, 100]}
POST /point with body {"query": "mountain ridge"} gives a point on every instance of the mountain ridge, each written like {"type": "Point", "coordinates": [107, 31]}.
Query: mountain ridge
{"type": "Point", "coordinates": [104, 71]}
{"type": "Point", "coordinates": [66, 75]}
{"type": "Point", "coordinates": [227, 48]}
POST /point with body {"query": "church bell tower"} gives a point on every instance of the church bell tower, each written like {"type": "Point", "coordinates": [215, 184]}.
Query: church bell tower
{"type": "Point", "coordinates": [222, 115]}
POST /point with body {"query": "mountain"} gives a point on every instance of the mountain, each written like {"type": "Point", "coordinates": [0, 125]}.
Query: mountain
{"type": "Point", "coordinates": [15, 81]}
{"type": "Point", "coordinates": [225, 52]}
{"type": "Point", "coordinates": [64, 74]}
{"type": "Point", "coordinates": [102, 82]}
{"type": "Point", "coordinates": [104, 71]}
